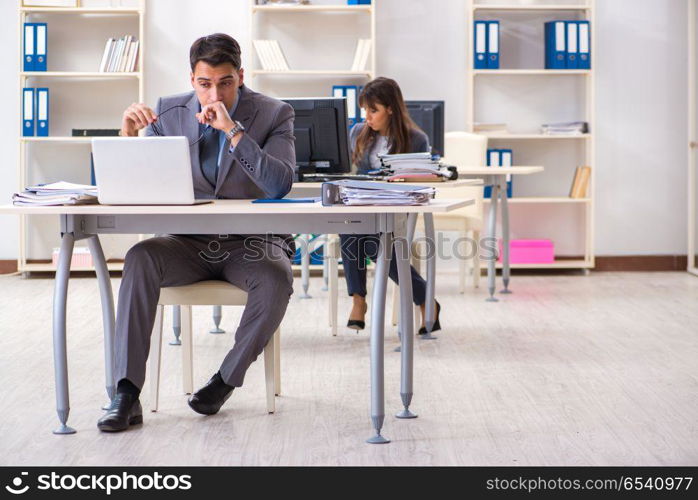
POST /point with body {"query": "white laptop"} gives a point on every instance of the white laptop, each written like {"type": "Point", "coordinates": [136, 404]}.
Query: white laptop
{"type": "Point", "coordinates": [143, 171]}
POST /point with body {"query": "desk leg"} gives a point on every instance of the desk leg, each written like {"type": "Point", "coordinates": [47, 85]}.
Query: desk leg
{"type": "Point", "coordinates": [305, 265]}
{"type": "Point", "coordinates": [380, 285]}
{"type": "Point", "coordinates": [217, 316]}
{"type": "Point", "coordinates": [430, 306]}
{"type": "Point", "coordinates": [108, 321]}
{"type": "Point", "coordinates": [411, 226]}
{"type": "Point", "coordinates": [176, 324]}
{"type": "Point", "coordinates": [406, 326]}
{"type": "Point", "coordinates": [492, 233]}
{"type": "Point", "coordinates": [505, 237]}
{"type": "Point", "coordinates": [60, 354]}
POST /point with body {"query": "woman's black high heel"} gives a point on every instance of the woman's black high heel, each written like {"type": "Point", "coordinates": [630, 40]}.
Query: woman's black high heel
{"type": "Point", "coordinates": [357, 324]}
{"type": "Point", "coordinates": [437, 324]}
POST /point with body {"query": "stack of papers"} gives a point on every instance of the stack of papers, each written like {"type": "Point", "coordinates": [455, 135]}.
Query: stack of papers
{"type": "Point", "coordinates": [57, 193]}
{"type": "Point", "coordinates": [412, 163]}
{"type": "Point", "coordinates": [348, 192]}
{"type": "Point", "coordinates": [567, 128]}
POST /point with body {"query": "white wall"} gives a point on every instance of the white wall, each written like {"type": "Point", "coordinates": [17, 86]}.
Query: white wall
{"type": "Point", "coordinates": [641, 95]}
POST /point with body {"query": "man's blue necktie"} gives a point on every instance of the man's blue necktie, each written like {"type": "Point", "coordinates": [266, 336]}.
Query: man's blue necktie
{"type": "Point", "coordinates": [208, 154]}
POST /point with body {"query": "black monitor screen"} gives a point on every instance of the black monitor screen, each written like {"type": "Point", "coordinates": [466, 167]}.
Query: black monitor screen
{"type": "Point", "coordinates": [320, 128]}
{"type": "Point", "coordinates": [429, 116]}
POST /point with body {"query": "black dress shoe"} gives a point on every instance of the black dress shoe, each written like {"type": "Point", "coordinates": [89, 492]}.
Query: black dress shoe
{"type": "Point", "coordinates": [437, 325]}
{"type": "Point", "coordinates": [125, 410]}
{"type": "Point", "coordinates": [209, 399]}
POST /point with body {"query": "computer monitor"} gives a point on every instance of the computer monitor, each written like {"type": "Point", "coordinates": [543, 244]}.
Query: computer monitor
{"type": "Point", "coordinates": [322, 139]}
{"type": "Point", "coordinates": [429, 116]}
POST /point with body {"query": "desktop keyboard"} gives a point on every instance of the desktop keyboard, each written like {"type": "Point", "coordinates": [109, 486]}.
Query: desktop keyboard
{"type": "Point", "coordinates": [337, 177]}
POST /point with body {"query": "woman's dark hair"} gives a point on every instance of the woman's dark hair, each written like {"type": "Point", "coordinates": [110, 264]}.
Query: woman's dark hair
{"type": "Point", "coordinates": [215, 50]}
{"type": "Point", "coordinates": [387, 92]}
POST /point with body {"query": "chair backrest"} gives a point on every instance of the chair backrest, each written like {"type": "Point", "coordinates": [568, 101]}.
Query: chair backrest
{"type": "Point", "coordinates": [464, 149]}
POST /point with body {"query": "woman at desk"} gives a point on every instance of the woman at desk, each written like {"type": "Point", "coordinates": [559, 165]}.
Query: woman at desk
{"type": "Point", "coordinates": [388, 129]}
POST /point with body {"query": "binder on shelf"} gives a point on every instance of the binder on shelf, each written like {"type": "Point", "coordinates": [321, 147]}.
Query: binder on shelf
{"type": "Point", "coordinates": [352, 104]}
{"type": "Point", "coordinates": [362, 111]}
{"type": "Point", "coordinates": [492, 44]}
{"type": "Point", "coordinates": [492, 161]}
{"type": "Point", "coordinates": [42, 112]}
{"type": "Point", "coordinates": [28, 112]}
{"type": "Point", "coordinates": [572, 51]}
{"type": "Point", "coordinates": [580, 183]}
{"type": "Point", "coordinates": [500, 158]}
{"type": "Point", "coordinates": [555, 45]}
{"type": "Point", "coordinates": [105, 55]}
{"type": "Point", "coordinates": [505, 156]}
{"type": "Point", "coordinates": [351, 92]}
{"type": "Point", "coordinates": [363, 49]}
{"type": "Point", "coordinates": [29, 50]}
{"type": "Point", "coordinates": [493, 157]}
{"type": "Point", "coordinates": [480, 45]}
{"type": "Point", "coordinates": [584, 59]}
{"type": "Point", "coordinates": [507, 160]}
{"type": "Point", "coordinates": [40, 38]}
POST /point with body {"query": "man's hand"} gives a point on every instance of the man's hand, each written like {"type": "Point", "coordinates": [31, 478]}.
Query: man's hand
{"type": "Point", "coordinates": [136, 117]}
{"type": "Point", "coordinates": [215, 115]}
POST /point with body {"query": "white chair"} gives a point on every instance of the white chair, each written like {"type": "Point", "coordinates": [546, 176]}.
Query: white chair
{"type": "Point", "coordinates": [464, 149]}
{"type": "Point", "coordinates": [331, 256]}
{"type": "Point", "coordinates": [201, 294]}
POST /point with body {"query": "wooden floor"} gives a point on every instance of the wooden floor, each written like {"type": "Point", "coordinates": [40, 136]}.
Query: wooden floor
{"type": "Point", "coordinates": [569, 370]}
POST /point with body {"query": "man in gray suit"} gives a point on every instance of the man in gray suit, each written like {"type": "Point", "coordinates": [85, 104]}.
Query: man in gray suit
{"type": "Point", "coordinates": [242, 146]}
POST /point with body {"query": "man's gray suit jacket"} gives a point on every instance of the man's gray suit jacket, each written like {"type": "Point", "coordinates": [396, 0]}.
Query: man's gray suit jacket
{"type": "Point", "coordinates": [260, 166]}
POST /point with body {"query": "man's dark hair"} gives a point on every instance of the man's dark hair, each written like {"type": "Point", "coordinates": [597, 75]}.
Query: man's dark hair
{"type": "Point", "coordinates": [215, 50]}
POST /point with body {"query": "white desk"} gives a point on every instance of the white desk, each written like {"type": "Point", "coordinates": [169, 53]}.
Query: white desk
{"type": "Point", "coordinates": [302, 189]}
{"type": "Point", "coordinates": [496, 177]}
{"type": "Point", "coordinates": [237, 217]}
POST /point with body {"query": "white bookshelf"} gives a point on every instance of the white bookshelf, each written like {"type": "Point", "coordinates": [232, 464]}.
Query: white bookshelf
{"type": "Point", "coordinates": [531, 7]}
{"type": "Point", "coordinates": [550, 208]}
{"type": "Point", "coordinates": [692, 138]}
{"type": "Point", "coordinates": [312, 72]}
{"type": "Point", "coordinates": [264, 16]}
{"type": "Point", "coordinates": [32, 150]}
{"type": "Point", "coordinates": [79, 74]}
{"type": "Point", "coordinates": [311, 8]}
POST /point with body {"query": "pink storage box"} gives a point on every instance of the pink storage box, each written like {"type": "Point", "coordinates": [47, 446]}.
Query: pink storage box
{"type": "Point", "coordinates": [81, 257]}
{"type": "Point", "coordinates": [529, 251]}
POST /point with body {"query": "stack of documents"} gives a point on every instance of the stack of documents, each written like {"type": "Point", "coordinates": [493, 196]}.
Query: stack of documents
{"type": "Point", "coordinates": [347, 192]}
{"type": "Point", "coordinates": [57, 193]}
{"type": "Point", "coordinates": [567, 128]}
{"type": "Point", "coordinates": [410, 164]}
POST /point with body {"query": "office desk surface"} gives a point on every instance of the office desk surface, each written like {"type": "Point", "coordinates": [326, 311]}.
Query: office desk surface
{"type": "Point", "coordinates": [234, 207]}
{"type": "Point", "coordinates": [499, 170]}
